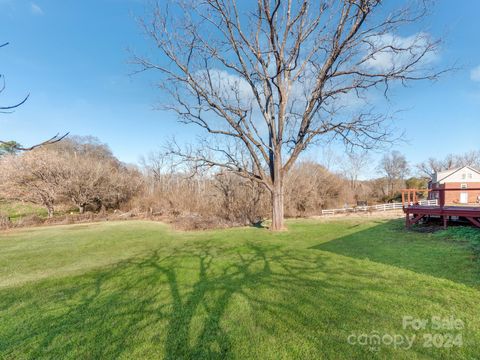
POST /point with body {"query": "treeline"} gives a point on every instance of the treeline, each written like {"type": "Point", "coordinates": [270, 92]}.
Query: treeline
{"type": "Point", "coordinates": [395, 173]}
{"type": "Point", "coordinates": [173, 192]}
{"type": "Point", "coordinates": [81, 175]}
{"type": "Point", "coordinates": [79, 172]}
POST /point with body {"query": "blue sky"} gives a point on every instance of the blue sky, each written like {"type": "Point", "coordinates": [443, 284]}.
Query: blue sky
{"type": "Point", "coordinates": [71, 56]}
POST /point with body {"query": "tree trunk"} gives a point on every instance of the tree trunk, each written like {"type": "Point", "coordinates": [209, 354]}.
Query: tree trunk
{"type": "Point", "coordinates": [81, 208]}
{"type": "Point", "coordinates": [50, 211]}
{"type": "Point", "coordinates": [277, 191]}
{"type": "Point", "coordinates": [277, 208]}
{"type": "Point", "coordinates": [276, 173]}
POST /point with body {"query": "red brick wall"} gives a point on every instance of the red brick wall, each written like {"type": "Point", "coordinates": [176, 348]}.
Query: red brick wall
{"type": "Point", "coordinates": [453, 197]}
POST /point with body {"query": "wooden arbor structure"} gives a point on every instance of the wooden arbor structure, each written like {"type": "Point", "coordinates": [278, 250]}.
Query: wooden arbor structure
{"type": "Point", "coordinates": [414, 212]}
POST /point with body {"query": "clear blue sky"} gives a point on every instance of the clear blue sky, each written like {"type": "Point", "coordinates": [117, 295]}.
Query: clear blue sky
{"type": "Point", "coordinates": [71, 56]}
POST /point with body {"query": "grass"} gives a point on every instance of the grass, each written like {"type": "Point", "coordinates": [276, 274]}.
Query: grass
{"type": "Point", "coordinates": [133, 290]}
{"type": "Point", "coordinates": [466, 235]}
{"type": "Point", "coordinates": [17, 210]}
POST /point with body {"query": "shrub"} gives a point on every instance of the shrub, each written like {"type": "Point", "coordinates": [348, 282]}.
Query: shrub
{"type": "Point", "coordinates": [5, 222]}
{"type": "Point", "coordinates": [29, 220]}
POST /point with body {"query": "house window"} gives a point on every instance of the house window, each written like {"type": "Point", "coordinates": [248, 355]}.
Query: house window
{"type": "Point", "coordinates": [464, 186]}
{"type": "Point", "coordinates": [464, 176]}
{"type": "Point", "coordinates": [470, 175]}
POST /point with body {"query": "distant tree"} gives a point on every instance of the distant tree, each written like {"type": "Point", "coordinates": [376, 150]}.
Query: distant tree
{"type": "Point", "coordinates": [93, 177]}
{"type": "Point", "coordinates": [309, 188]}
{"type": "Point", "coordinates": [79, 146]}
{"type": "Point", "coordinates": [378, 190]}
{"type": "Point", "coordinates": [9, 147]}
{"type": "Point", "coordinates": [86, 180]}
{"type": "Point", "coordinates": [431, 166]}
{"type": "Point", "coordinates": [471, 158]}
{"type": "Point", "coordinates": [417, 183]}
{"type": "Point", "coordinates": [276, 77]}
{"type": "Point", "coordinates": [80, 171]}
{"type": "Point", "coordinates": [353, 165]}
{"type": "Point", "coordinates": [36, 177]}
{"type": "Point", "coordinates": [394, 167]}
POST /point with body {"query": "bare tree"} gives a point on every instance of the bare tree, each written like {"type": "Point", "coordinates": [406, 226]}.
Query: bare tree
{"type": "Point", "coordinates": [429, 167]}
{"type": "Point", "coordinates": [394, 167]}
{"type": "Point", "coordinates": [85, 180]}
{"type": "Point", "coordinates": [34, 177]}
{"type": "Point", "coordinates": [9, 147]}
{"type": "Point", "coordinates": [93, 177]}
{"type": "Point", "coordinates": [353, 165]}
{"type": "Point", "coordinates": [80, 171]}
{"type": "Point", "coordinates": [309, 188]}
{"type": "Point", "coordinates": [277, 76]}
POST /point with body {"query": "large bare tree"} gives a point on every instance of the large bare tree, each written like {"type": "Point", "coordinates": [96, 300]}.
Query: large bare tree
{"type": "Point", "coordinates": [274, 77]}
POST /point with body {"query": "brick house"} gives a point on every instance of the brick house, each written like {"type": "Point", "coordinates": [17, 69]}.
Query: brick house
{"type": "Point", "coordinates": [462, 178]}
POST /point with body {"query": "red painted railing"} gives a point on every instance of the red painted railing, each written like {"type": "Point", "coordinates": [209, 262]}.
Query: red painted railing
{"type": "Point", "coordinates": [410, 196]}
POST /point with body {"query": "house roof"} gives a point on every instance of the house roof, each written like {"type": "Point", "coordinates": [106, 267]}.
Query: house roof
{"type": "Point", "coordinates": [442, 175]}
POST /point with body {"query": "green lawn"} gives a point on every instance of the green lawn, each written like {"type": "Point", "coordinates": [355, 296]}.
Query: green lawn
{"type": "Point", "coordinates": [134, 290]}
{"type": "Point", "coordinates": [16, 210]}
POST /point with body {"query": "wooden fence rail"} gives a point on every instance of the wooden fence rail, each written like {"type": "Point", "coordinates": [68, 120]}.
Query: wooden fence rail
{"type": "Point", "coordinates": [379, 207]}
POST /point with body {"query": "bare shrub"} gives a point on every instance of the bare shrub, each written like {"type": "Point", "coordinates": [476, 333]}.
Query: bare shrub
{"type": "Point", "coordinates": [309, 187]}
{"type": "Point", "coordinates": [241, 200]}
{"type": "Point", "coordinates": [29, 220]}
{"type": "Point", "coordinates": [196, 222]}
{"type": "Point", "coordinates": [5, 222]}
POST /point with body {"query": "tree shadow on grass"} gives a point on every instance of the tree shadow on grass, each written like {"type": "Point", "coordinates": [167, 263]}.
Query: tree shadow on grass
{"type": "Point", "coordinates": [168, 293]}
{"type": "Point", "coordinates": [391, 244]}
{"type": "Point", "coordinates": [188, 305]}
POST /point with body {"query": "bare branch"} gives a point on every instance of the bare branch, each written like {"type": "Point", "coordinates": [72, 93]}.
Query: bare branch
{"type": "Point", "coordinates": [52, 140]}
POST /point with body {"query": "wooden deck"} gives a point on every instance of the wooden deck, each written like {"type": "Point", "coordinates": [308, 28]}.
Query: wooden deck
{"type": "Point", "coordinates": [414, 212]}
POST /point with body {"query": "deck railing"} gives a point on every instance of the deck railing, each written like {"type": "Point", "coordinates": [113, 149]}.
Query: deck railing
{"type": "Point", "coordinates": [410, 196]}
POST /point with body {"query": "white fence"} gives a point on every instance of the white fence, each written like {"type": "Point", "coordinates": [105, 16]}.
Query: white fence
{"type": "Point", "coordinates": [380, 207]}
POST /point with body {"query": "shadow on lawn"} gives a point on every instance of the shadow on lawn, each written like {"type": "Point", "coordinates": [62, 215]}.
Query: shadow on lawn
{"type": "Point", "coordinates": [178, 299]}
{"type": "Point", "coordinates": [188, 304]}
{"type": "Point", "coordinates": [391, 244]}
{"type": "Point", "coordinates": [177, 306]}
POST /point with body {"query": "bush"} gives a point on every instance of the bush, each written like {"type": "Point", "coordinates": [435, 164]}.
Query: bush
{"type": "Point", "coordinates": [5, 222]}
{"type": "Point", "coordinates": [29, 220]}
{"type": "Point", "coordinates": [195, 222]}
